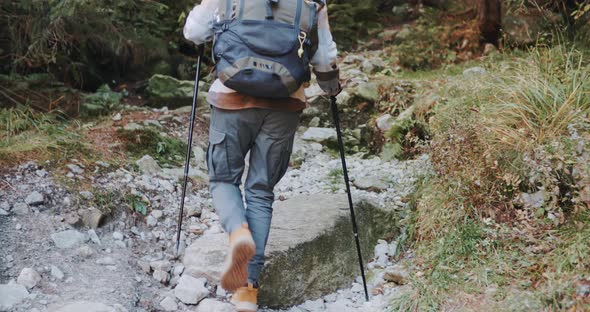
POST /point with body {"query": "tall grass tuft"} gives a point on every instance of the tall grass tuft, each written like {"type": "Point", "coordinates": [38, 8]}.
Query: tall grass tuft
{"type": "Point", "coordinates": [545, 96]}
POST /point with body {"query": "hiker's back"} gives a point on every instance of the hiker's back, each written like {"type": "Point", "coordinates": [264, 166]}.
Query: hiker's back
{"type": "Point", "coordinates": [262, 47]}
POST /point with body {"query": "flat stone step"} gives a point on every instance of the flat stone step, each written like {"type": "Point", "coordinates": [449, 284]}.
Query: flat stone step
{"type": "Point", "coordinates": [311, 250]}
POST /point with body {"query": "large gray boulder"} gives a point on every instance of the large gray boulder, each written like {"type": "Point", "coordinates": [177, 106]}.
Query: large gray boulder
{"type": "Point", "coordinates": [311, 249]}
{"type": "Point", "coordinates": [310, 252]}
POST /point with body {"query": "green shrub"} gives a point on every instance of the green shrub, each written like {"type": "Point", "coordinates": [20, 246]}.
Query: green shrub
{"type": "Point", "coordinates": [165, 149]}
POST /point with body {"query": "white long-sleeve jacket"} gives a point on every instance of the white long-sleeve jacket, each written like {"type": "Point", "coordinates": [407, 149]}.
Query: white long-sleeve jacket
{"type": "Point", "coordinates": [198, 29]}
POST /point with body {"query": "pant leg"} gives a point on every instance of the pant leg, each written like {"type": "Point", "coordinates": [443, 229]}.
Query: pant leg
{"type": "Point", "coordinates": [231, 134]}
{"type": "Point", "coordinates": [269, 160]}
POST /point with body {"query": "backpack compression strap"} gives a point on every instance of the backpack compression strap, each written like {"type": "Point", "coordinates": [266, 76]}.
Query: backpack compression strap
{"type": "Point", "coordinates": [269, 4]}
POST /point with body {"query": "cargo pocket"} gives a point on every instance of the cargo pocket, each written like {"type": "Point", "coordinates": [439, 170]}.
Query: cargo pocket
{"type": "Point", "coordinates": [217, 156]}
{"type": "Point", "coordinates": [279, 157]}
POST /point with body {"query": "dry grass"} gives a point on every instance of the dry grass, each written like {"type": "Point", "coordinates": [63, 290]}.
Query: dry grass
{"type": "Point", "coordinates": [518, 129]}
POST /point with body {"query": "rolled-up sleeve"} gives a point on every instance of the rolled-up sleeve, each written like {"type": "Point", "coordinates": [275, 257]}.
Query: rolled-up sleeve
{"type": "Point", "coordinates": [324, 60]}
{"type": "Point", "coordinates": [198, 27]}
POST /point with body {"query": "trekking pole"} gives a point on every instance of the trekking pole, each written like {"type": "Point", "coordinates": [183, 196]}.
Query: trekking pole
{"type": "Point", "coordinates": [347, 181]}
{"type": "Point", "coordinates": [189, 145]}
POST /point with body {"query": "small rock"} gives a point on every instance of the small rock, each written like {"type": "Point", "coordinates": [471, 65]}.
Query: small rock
{"type": "Point", "coordinates": [103, 164]}
{"type": "Point", "coordinates": [178, 270]}
{"type": "Point", "coordinates": [157, 213]}
{"type": "Point", "coordinates": [311, 111]}
{"type": "Point", "coordinates": [343, 98]}
{"type": "Point", "coordinates": [148, 165]}
{"type": "Point", "coordinates": [381, 250]}
{"type": "Point", "coordinates": [212, 305]}
{"type": "Point", "coordinates": [57, 273]}
{"type": "Point", "coordinates": [85, 251]}
{"type": "Point", "coordinates": [117, 236]}
{"type": "Point", "coordinates": [489, 49]}
{"type": "Point", "coordinates": [29, 278]}
{"type": "Point", "coordinates": [169, 304]}
{"type": "Point", "coordinates": [92, 218]}
{"type": "Point", "coordinates": [200, 157]}
{"type": "Point", "coordinates": [117, 117]}
{"type": "Point", "coordinates": [75, 169]}
{"type": "Point", "coordinates": [397, 274]}
{"type": "Point", "coordinates": [475, 71]}
{"type": "Point", "coordinates": [191, 290]}
{"type": "Point", "coordinates": [153, 123]}
{"type": "Point", "coordinates": [220, 292]}
{"type": "Point", "coordinates": [320, 135]}
{"type": "Point", "coordinates": [315, 122]}
{"type": "Point", "coordinates": [151, 221]}
{"type": "Point", "coordinates": [86, 195]}
{"type": "Point", "coordinates": [368, 91]}
{"type": "Point", "coordinates": [371, 183]}
{"type": "Point", "coordinates": [18, 227]}
{"type": "Point", "coordinates": [385, 122]}
{"type": "Point", "coordinates": [132, 127]}
{"type": "Point", "coordinates": [34, 199]}
{"type": "Point", "coordinates": [194, 211]}
{"type": "Point", "coordinates": [144, 266]}
{"type": "Point", "coordinates": [93, 237]}
{"type": "Point", "coordinates": [161, 276]}
{"type": "Point", "coordinates": [72, 219]}
{"type": "Point", "coordinates": [161, 265]}
{"type": "Point", "coordinates": [41, 173]}
{"type": "Point", "coordinates": [106, 261]}
{"type": "Point", "coordinates": [20, 209]}
{"type": "Point", "coordinates": [11, 295]}
{"type": "Point", "coordinates": [167, 186]}
{"type": "Point", "coordinates": [68, 239]}
{"type": "Point", "coordinates": [534, 200]}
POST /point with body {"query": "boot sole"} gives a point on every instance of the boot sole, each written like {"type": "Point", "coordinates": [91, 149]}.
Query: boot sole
{"type": "Point", "coordinates": [236, 274]}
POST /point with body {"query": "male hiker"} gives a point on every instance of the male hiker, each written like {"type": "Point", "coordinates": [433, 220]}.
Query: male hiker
{"type": "Point", "coordinates": [260, 118]}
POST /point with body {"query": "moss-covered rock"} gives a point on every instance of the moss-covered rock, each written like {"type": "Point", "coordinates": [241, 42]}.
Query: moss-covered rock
{"type": "Point", "coordinates": [101, 102]}
{"type": "Point", "coordinates": [168, 91]}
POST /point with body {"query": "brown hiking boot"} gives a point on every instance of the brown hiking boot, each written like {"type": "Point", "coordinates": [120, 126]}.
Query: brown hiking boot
{"type": "Point", "coordinates": [245, 299]}
{"type": "Point", "coordinates": [241, 250]}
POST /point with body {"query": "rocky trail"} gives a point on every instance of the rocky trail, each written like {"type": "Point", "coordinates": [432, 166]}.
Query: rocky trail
{"type": "Point", "coordinates": [99, 235]}
{"type": "Point", "coordinates": [63, 250]}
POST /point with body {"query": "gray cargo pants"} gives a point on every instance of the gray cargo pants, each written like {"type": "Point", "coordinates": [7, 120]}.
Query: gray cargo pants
{"type": "Point", "coordinates": [268, 136]}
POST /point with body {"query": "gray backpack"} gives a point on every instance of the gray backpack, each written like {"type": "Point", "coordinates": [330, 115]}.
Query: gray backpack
{"type": "Point", "coordinates": [261, 47]}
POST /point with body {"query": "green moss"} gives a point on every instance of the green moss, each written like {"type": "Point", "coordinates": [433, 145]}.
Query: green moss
{"type": "Point", "coordinates": [166, 150]}
{"type": "Point", "coordinates": [102, 102]}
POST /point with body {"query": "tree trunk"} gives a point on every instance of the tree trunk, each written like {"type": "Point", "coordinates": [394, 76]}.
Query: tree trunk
{"type": "Point", "coordinates": [490, 20]}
